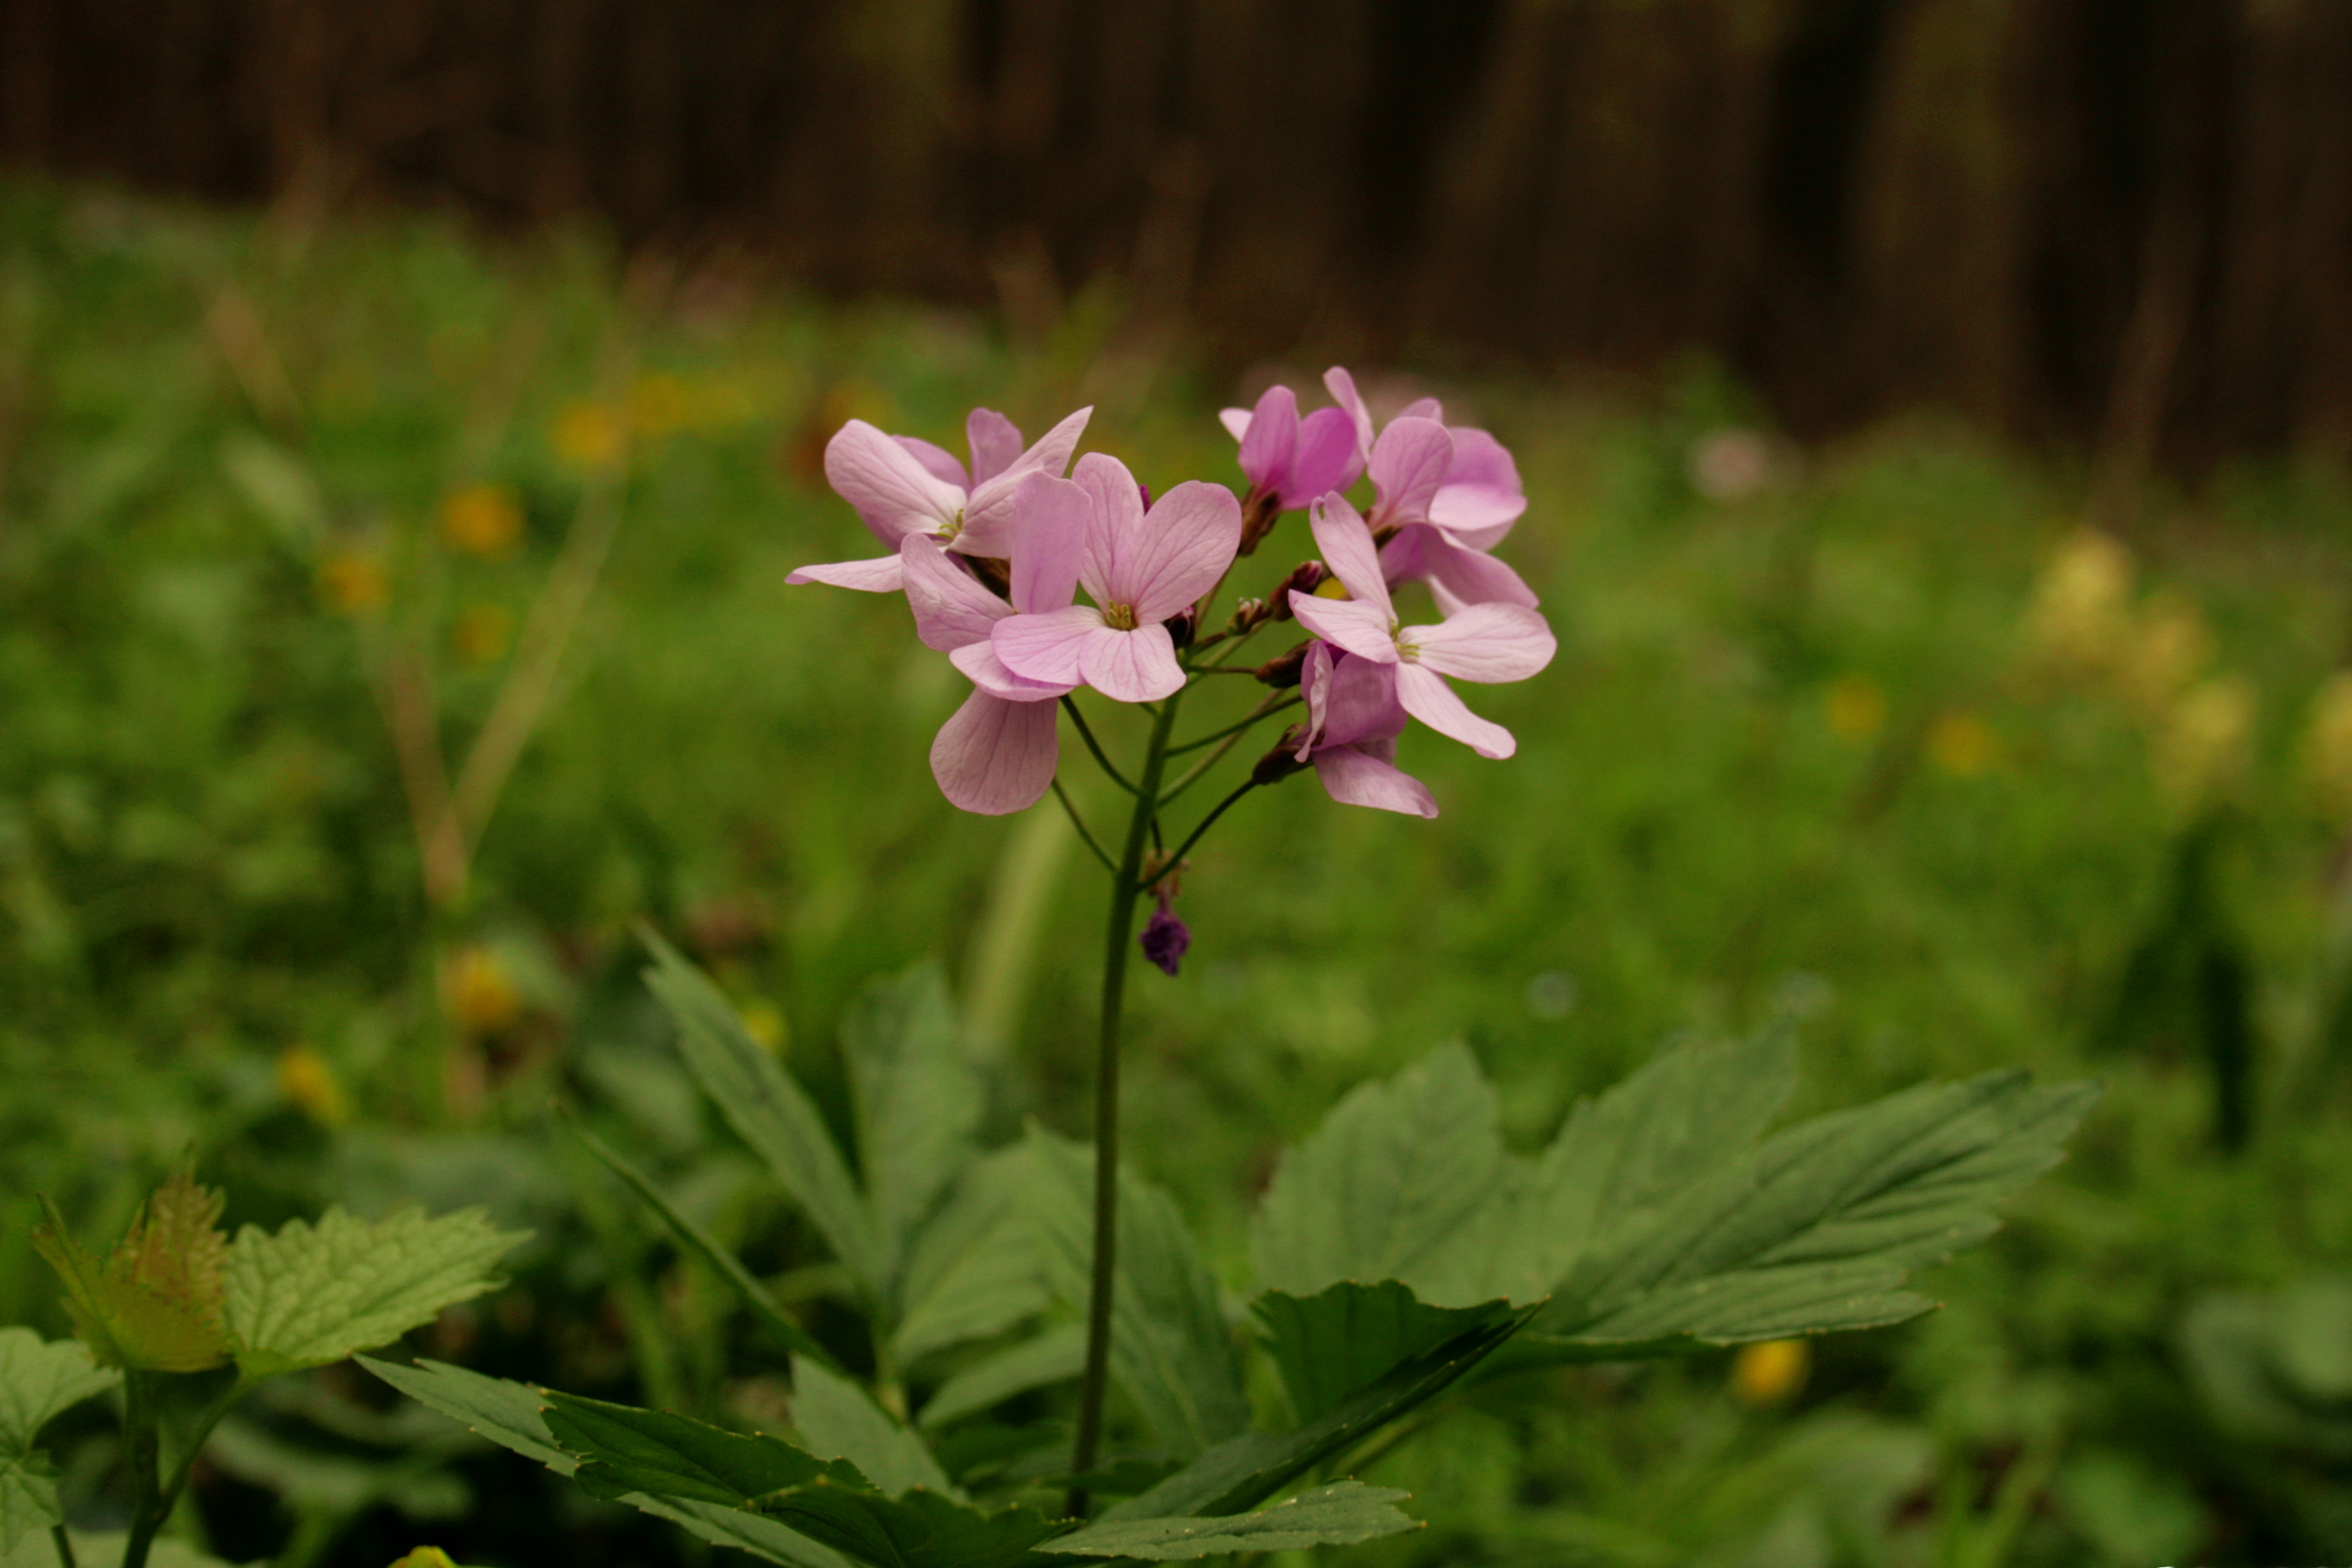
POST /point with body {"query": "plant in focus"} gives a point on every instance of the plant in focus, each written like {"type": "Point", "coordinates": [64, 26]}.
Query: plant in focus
{"type": "Point", "coordinates": [1399, 1251]}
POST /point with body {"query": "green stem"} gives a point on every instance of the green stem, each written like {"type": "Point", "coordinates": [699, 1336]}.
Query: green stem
{"type": "Point", "coordinates": [144, 1446]}
{"type": "Point", "coordinates": [1094, 745]}
{"type": "Point", "coordinates": [1173, 861]}
{"type": "Point", "coordinates": [1127, 887]}
{"type": "Point", "coordinates": [1273, 703]}
{"type": "Point", "coordinates": [65, 1546]}
{"type": "Point", "coordinates": [1080, 823]}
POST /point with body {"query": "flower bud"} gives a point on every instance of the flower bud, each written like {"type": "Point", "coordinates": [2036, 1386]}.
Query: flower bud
{"type": "Point", "coordinates": [1281, 762]}
{"type": "Point", "coordinates": [1165, 938]}
{"type": "Point", "coordinates": [1304, 579]}
{"type": "Point", "coordinates": [1183, 625]}
{"type": "Point", "coordinates": [1258, 515]}
{"type": "Point", "coordinates": [1283, 670]}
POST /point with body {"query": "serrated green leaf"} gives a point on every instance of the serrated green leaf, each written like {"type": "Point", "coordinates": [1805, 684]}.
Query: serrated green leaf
{"type": "Point", "coordinates": [920, 1530]}
{"type": "Point", "coordinates": [39, 1379]}
{"type": "Point", "coordinates": [918, 1103]}
{"type": "Point", "coordinates": [155, 1303]}
{"type": "Point", "coordinates": [1172, 1349]}
{"type": "Point", "coordinates": [622, 1450]}
{"type": "Point", "coordinates": [1389, 1186]}
{"type": "Point", "coordinates": [975, 1269]}
{"type": "Point", "coordinates": [28, 1498]}
{"type": "Point", "coordinates": [1338, 1515]}
{"type": "Point", "coordinates": [39, 1551]}
{"type": "Point", "coordinates": [313, 1294]}
{"type": "Point", "coordinates": [1245, 1471]}
{"type": "Point", "coordinates": [1332, 1345]}
{"type": "Point", "coordinates": [837, 1419]}
{"type": "Point", "coordinates": [768, 1111]}
{"type": "Point", "coordinates": [509, 1415]}
{"type": "Point", "coordinates": [698, 1241]}
{"type": "Point", "coordinates": [1057, 1356]}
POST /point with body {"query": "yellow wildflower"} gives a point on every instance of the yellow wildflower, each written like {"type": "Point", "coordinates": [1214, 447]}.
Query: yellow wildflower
{"type": "Point", "coordinates": [482, 519]}
{"type": "Point", "coordinates": [306, 1079]}
{"type": "Point", "coordinates": [2081, 606]}
{"type": "Point", "coordinates": [763, 1023]}
{"type": "Point", "coordinates": [1963, 744]}
{"type": "Point", "coordinates": [483, 632]}
{"type": "Point", "coordinates": [481, 994]}
{"type": "Point", "coordinates": [354, 581]}
{"type": "Point", "coordinates": [1767, 1373]}
{"type": "Point", "coordinates": [589, 435]}
{"type": "Point", "coordinates": [1855, 707]}
{"type": "Point", "coordinates": [425, 1557]}
{"type": "Point", "coordinates": [2327, 748]}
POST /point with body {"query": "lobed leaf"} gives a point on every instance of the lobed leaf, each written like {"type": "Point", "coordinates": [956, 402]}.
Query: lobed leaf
{"type": "Point", "coordinates": [313, 1294]}
{"type": "Point", "coordinates": [973, 1271]}
{"type": "Point", "coordinates": [839, 1420]}
{"type": "Point", "coordinates": [1340, 1341]}
{"type": "Point", "coordinates": [155, 1303]}
{"type": "Point", "coordinates": [39, 1551]}
{"type": "Point", "coordinates": [1338, 1515]}
{"type": "Point", "coordinates": [1057, 1356]}
{"type": "Point", "coordinates": [28, 1498]}
{"type": "Point", "coordinates": [920, 1530]}
{"type": "Point", "coordinates": [39, 1379]}
{"type": "Point", "coordinates": [622, 1450]}
{"type": "Point", "coordinates": [918, 1102]}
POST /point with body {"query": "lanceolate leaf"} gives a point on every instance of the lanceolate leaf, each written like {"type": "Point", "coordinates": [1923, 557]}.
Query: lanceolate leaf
{"type": "Point", "coordinates": [1171, 1348]}
{"type": "Point", "coordinates": [839, 1420]}
{"type": "Point", "coordinates": [314, 1294]}
{"type": "Point", "coordinates": [918, 1102]}
{"type": "Point", "coordinates": [1338, 1515]}
{"type": "Point", "coordinates": [39, 1379]}
{"type": "Point", "coordinates": [1057, 1356]}
{"type": "Point", "coordinates": [975, 1269]}
{"type": "Point", "coordinates": [768, 1111]}
{"type": "Point", "coordinates": [1333, 1345]}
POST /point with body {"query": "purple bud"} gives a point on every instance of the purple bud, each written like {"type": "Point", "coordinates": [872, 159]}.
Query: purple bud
{"type": "Point", "coordinates": [1144, 490]}
{"type": "Point", "coordinates": [1165, 938]}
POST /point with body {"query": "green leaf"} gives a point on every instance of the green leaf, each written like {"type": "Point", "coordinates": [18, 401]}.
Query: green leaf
{"type": "Point", "coordinates": [306, 1476]}
{"type": "Point", "coordinates": [839, 1420]}
{"type": "Point", "coordinates": [39, 1379]}
{"type": "Point", "coordinates": [155, 1303]}
{"type": "Point", "coordinates": [1172, 1349]}
{"type": "Point", "coordinates": [509, 1415]}
{"type": "Point", "coordinates": [1816, 1229]}
{"type": "Point", "coordinates": [313, 1294]}
{"type": "Point", "coordinates": [1338, 1515]}
{"type": "Point", "coordinates": [918, 1099]}
{"type": "Point", "coordinates": [920, 1530]}
{"type": "Point", "coordinates": [1057, 1356]}
{"type": "Point", "coordinates": [768, 1111]}
{"type": "Point", "coordinates": [102, 1551]}
{"type": "Point", "coordinates": [975, 1269]}
{"type": "Point", "coordinates": [28, 1498]}
{"type": "Point", "coordinates": [1337, 1343]}
{"type": "Point", "coordinates": [1397, 1175]}
{"type": "Point", "coordinates": [698, 1241]}
{"type": "Point", "coordinates": [1246, 1471]}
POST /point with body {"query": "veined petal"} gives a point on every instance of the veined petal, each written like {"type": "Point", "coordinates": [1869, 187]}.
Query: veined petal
{"type": "Point", "coordinates": [937, 460]}
{"type": "Point", "coordinates": [1315, 686]}
{"type": "Point", "coordinates": [1458, 574]}
{"type": "Point", "coordinates": [951, 609]}
{"type": "Point", "coordinates": [1052, 453]}
{"type": "Point", "coordinates": [1428, 698]}
{"type": "Point", "coordinates": [1117, 515]}
{"type": "Point", "coordinates": [1346, 546]}
{"type": "Point", "coordinates": [1272, 439]}
{"type": "Point", "coordinates": [1408, 465]}
{"type": "Point", "coordinates": [1484, 642]}
{"type": "Point", "coordinates": [895, 495]}
{"type": "Point", "coordinates": [1342, 388]}
{"type": "Point", "coordinates": [1186, 541]}
{"type": "Point", "coordinates": [1422, 408]}
{"type": "Point", "coordinates": [1050, 519]}
{"type": "Point", "coordinates": [1045, 646]}
{"type": "Point", "coordinates": [1235, 421]}
{"type": "Point", "coordinates": [879, 575]}
{"type": "Point", "coordinates": [993, 757]}
{"type": "Point", "coordinates": [988, 515]}
{"type": "Point", "coordinates": [1359, 704]}
{"type": "Point", "coordinates": [995, 442]}
{"type": "Point", "coordinates": [1360, 629]}
{"type": "Point", "coordinates": [980, 665]}
{"type": "Point", "coordinates": [1328, 458]}
{"type": "Point", "coordinates": [1138, 666]}
{"type": "Point", "coordinates": [1354, 776]}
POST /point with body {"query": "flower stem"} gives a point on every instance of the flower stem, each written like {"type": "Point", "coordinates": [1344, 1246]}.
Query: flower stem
{"type": "Point", "coordinates": [1094, 745]}
{"type": "Point", "coordinates": [65, 1546]}
{"type": "Point", "coordinates": [1173, 861]}
{"type": "Point", "coordinates": [1126, 887]}
{"type": "Point", "coordinates": [1080, 823]}
{"type": "Point", "coordinates": [155, 1500]}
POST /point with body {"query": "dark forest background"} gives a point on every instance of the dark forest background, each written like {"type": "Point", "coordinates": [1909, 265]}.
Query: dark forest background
{"type": "Point", "coordinates": [2122, 225]}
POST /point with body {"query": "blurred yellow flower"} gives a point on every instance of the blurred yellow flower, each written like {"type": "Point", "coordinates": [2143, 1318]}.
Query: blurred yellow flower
{"type": "Point", "coordinates": [481, 519]}
{"type": "Point", "coordinates": [355, 582]}
{"type": "Point", "coordinates": [659, 403]}
{"type": "Point", "coordinates": [2082, 609]}
{"type": "Point", "coordinates": [766, 1025]}
{"type": "Point", "coordinates": [1962, 744]}
{"type": "Point", "coordinates": [1769, 1373]}
{"type": "Point", "coordinates": [306, 1079]}
{"type": "Point", "coordinates": [1856, 708]}
{"type": "Point", "coordinates": [481, 994]}
{"type": "Point", "coordinates": [425, 1557]}
{"type": "Point", "coordinates": [2202, 746]}
{"type": "Point", "coordinates": [2327, 748]}
{"type": "Point", "coordinates": [2167, 650]}
{"type": "Point", "coordinates": [483, 632]}
{"type": "Point", "coordinates": [588, 436]}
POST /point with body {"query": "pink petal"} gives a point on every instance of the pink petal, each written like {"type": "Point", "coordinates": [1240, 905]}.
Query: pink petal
{"type": "Point", "coordinates": [1342, 388]}
{"type": "Point", "coordinates": [1051, 517]}
{"type": "Point", "coordinates": [1408, 465]}
{"type": "Point", "coordinates": [1354, 776]}
{"type": "Point", "coordinates": [1052, 451]}
{"type": "Point", "coordinates": [1428, 698]}
{"type": "Point", "coordinates": [879, 575]}
{"type": "Point", "coordinates": [951, 609]}
{"type": "Point", "coordinates": [988, 516]}
{"type": "Point", "coordinates": [1484, 642]}
{"type": "Point", "coordinates": [1346, 546]}
{"type": "Point", "coordinates": [1422, 408]}
{"type": "Point", "coordinates": [937, 460]}
{"type": "Point", "coordinates": [1138, 666]}
{"type": "Point", "coordinates": [1328, 458]}
{"type": "Point", "coordinates": [1362, 629]}
{"type": "Point", "coordinates": [995, 442]}
{"type": "Point", "coordinates": [1480, 459]}
{"type": "Point", "coordinates": [1235, 421]}
{"type": "Point", "coordinates": [1186, 541]}
{"type": "Point", "coordinates": [895, 495]}
{"type": "Point", "coordinates": [1458, 574]}
{"type": "Point", "coordinates": [1118, 516]}
{"type": "Point", "coordinates": [1359, 704]}
{"type": "Point", "coordinates": [1272, 439]}
{"type": "Point", "coordinates": [1045, 646]}
{"type": "Point", "coordinates": [994, 756]}
{"type": "Point", "coordinates": [983, 668]}
{"type": "Point", "coordinates": [1315, 686]}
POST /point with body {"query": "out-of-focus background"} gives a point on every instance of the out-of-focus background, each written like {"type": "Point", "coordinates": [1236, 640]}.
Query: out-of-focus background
{"type": "Point", "coordinates": [1936, 415]}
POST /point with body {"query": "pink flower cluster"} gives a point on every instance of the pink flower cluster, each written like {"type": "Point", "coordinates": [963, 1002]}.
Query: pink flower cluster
{"type": "Point", "coordinates": [992, 558]}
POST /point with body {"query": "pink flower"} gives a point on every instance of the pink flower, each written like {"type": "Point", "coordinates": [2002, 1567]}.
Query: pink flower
{"type": "Point", "coordinates": [1140, 569]}
{"type": "Point", "coordinates": [901, 485]}
{"type": "Point", "coordinates": [1443, 498]}
{"type": "Point", "coordinates": [1353, 719]}
{"type": "Point", "coordinates": [1289, 459]}
{"type": "Point", "coordinates": [1486, 642]}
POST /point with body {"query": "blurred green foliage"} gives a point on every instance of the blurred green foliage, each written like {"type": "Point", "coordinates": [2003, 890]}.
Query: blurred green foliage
{"type": "Point", "coordinates": [1834, 730]}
